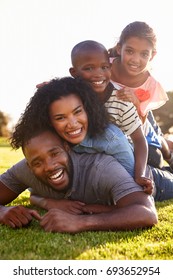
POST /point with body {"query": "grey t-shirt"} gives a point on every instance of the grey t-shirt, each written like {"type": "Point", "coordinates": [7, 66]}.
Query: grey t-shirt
{"type": "Point", "coordinates": [97, 178]}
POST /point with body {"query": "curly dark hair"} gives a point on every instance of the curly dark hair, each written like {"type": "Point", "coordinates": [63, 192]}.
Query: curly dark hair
{"type": "Point", "coordinates": [36, 114]}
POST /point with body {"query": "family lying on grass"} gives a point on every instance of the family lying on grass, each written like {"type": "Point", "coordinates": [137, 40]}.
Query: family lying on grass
{"type": "Point", "coordinates": [81, 191]}
{"type": "Point", "coordinates": [80, 165]}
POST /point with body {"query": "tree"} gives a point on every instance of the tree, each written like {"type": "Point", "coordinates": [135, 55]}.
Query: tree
{"type": "Point", "coordinates": [4, 121]}
{"type": "Point", "coordinates": [164, 115]}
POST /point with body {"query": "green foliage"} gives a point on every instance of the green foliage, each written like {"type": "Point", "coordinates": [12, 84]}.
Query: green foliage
{"type": "Point", "coordinates": [8, 155]}
{"type": "Point", "coordinates": [32, 243]}
{"type": "Point", "coordinates": [4, 120]}
{"type": "Point", "coordinates": [164, 115]}
{"type": "Point", "coordinates": [4, 142]}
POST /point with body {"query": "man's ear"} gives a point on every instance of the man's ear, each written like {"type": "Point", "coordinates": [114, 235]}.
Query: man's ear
{"type": "Point", "coordinates": [73, 72]}
{"type": "Point", "coordinates": [27, 163]}
{"type": "Point", "coordinates": [66, 146]}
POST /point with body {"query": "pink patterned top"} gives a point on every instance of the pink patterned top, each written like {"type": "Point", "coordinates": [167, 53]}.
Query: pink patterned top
{"type": "Point", "coordinates": [151, 95]}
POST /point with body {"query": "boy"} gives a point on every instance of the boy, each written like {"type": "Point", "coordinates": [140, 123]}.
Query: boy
{"type": "Point", "coordinates": [90, 61]}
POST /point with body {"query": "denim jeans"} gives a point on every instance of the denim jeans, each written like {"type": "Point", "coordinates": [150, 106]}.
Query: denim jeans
{"type": "Point", "coordinates": [155, 157]}
{"type": "Point", "coordinates": [164, 184]}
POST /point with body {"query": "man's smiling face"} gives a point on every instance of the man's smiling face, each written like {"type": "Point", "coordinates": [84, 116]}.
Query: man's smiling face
{"type": "Point", "coordinates": [48, 159]}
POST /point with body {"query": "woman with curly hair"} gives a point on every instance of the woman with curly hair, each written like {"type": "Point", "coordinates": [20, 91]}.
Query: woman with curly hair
{"type": "Point", "coordinates": [73, 109]}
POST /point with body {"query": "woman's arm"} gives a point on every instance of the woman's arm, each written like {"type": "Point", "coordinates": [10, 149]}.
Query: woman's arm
{"type": "Point", "coordinates": [73, 207]}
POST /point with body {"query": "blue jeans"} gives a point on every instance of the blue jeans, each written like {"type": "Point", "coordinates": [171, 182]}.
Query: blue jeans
{"type": "Point", "coordinates": [164, 184]}
{"type": "Point", "coordinates": [155, 157]}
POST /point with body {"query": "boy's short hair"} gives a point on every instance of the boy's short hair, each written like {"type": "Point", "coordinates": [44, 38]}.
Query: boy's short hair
{"type": "Point", "coordinates": [86, 46]}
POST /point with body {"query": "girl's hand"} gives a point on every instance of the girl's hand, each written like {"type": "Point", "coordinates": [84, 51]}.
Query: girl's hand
{"type": "Point", "coordinates": [128, 95]}
{"type": "Point", "coordinates": [41, 85]}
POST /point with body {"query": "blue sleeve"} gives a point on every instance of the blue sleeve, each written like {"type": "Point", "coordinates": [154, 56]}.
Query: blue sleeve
{"type": "Point", "coordinates": [154, 123]}
{"type": "Point", "coordinates": [111, 142]}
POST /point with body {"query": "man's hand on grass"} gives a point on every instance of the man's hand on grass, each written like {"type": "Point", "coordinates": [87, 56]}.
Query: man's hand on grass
{"type": "Point", "coordinates": [56, 220]}
{"type": "Point", "coordinates": [17, 216]}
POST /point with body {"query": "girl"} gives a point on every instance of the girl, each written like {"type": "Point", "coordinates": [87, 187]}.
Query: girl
{"type": "Point", "coordinates": [90, 61]}
{"type": "Point", "coordinates": [130, 71]}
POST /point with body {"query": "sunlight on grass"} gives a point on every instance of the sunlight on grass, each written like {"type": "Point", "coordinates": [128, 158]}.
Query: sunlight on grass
{"type": "Point", "coordinates": [8, 155]}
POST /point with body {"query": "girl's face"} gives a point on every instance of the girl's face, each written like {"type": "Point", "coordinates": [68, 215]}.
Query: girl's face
{"type": "Point", "coordinates": [94, 68]}
{"type": "Point", "coordinates": [69, 118]}
{"type": "Point", "coordinates": [135, 55]}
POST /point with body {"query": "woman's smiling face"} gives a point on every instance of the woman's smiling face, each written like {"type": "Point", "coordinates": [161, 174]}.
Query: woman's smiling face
{"type": "Point", "coordinates": [69, 118]}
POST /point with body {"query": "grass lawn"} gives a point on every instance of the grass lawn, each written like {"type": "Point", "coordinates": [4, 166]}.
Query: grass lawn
{"type": "Point", "coordinates": [32, 243]}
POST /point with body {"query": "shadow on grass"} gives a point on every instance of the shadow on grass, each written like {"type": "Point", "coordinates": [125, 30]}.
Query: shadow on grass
{"type": "Point", "coordinates": [33, 243]}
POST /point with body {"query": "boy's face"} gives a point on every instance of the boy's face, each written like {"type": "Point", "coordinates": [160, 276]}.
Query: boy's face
{"type": "Point", "coordinates": [94, 67]}
{"type": "Point", "coordinates": [49, 160]}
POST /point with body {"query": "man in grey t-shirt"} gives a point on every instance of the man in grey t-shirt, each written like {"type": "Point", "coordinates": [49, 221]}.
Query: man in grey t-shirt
{"type": "Point", "coordinates": [80, 191]}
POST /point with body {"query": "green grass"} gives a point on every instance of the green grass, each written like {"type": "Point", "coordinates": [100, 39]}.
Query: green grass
{"type": "Point", "coordinates": [32, 243]}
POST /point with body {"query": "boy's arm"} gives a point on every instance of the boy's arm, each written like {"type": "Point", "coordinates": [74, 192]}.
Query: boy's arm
{"type": "Point", "coordinates": [140, 152]}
